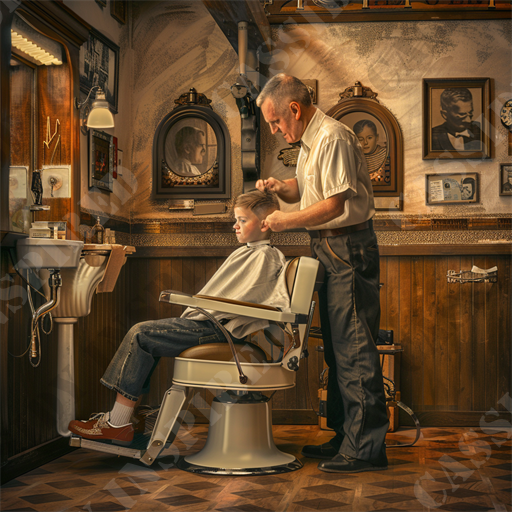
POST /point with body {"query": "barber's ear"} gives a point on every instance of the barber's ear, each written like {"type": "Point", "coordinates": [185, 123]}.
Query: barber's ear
{"type": "Point", "coordinates": [295, 108]}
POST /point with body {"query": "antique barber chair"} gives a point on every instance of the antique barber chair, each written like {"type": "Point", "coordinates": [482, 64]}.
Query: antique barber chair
{"type": "Point", "coordinates": [240, 434]}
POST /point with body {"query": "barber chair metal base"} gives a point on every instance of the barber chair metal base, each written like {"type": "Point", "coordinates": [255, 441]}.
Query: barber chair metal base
{"type": "Point", "coordinates": [240, 440]}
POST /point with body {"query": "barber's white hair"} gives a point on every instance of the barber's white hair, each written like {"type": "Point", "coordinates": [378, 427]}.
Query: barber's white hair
{"type": "Point", "coordinates": [282, 89]}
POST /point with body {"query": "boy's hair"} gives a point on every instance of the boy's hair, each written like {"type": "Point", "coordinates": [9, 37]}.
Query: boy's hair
{"type": "Point", "coordinates": [261, 203]}
{"type": "Point", "coordinates": [359, 126]}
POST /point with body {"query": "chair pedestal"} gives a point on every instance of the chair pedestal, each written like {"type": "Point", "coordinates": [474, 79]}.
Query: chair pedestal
{"type": "Point", "coordinates": [240, 440]}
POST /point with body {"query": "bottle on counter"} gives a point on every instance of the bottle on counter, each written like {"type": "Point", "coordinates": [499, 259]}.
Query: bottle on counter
{"type": "Point", "coordinates": [98, 233]}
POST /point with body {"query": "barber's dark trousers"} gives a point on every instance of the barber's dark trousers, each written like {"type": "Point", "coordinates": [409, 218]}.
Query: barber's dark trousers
{"type": "Point", "coordinates": [350, 314]}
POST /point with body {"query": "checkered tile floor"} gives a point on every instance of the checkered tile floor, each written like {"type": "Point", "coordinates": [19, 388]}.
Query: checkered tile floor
{"type": "Point", "coordinates": [455, 469]}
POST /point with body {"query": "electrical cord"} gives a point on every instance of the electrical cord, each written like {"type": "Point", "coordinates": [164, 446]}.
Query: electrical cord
{"type": "Point", "coordinates": [32, 309]}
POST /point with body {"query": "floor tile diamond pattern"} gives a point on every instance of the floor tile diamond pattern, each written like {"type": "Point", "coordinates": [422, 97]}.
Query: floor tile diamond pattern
{"type": "Point", "coordinates": [91, 481]}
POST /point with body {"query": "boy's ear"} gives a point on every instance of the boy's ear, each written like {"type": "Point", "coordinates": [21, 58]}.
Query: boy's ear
{"type": "Point", "coordinates": [264, 226]}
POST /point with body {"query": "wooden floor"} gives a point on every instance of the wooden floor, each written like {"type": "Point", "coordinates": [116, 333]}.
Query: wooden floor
{"type": "Point", "coordinates": [455, 469]}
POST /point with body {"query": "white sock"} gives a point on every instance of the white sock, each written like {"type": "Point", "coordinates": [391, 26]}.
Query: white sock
{"type": "Point", "coordinates": [120, 414]}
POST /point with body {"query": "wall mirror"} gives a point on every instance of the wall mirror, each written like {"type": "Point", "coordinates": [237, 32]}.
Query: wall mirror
{"type": "Point", "coordinates": [381, 139]}
{"type": "Point", "coordinates": [191, 152]}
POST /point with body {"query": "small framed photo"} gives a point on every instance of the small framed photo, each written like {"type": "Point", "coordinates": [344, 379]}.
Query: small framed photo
{"type": "Point", "coordinates": [99, 65]}
{"type": "Point", "coordinates": [505, 179]}
{"type": "Point", "coordinates": [101, 160]}
{"type": "Point", "coordinates": [118, 10]}
{"type": "Point", "coordinates": [456, 118]}
{"type": "Point", "coordinates": [456, 188]}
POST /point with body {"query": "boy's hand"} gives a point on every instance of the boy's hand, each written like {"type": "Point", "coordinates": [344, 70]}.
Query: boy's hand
{"type": "Point", "coordinates": [271, 184]}
{"type": "Point", "coordinates": [276, 221]}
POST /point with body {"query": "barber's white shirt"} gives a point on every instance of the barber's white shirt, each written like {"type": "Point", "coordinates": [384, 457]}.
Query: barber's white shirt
{"type": "Point", "coordinates": [332, 161]}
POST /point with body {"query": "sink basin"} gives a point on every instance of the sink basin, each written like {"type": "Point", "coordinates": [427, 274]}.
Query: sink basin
{"type": "Point", "coordinates": [48, 253]}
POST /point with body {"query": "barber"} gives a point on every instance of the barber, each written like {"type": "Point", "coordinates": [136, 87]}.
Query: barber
{"type": "Point", "coordinates": [335, 194]}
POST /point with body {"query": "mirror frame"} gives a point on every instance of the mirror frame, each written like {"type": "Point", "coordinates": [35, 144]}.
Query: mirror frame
{"type": "Point", "coordinates": [199, 187]}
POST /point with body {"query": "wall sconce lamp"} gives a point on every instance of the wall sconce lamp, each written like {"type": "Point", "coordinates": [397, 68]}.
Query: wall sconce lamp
{"type": "Point", "coordinates": [98, 115]}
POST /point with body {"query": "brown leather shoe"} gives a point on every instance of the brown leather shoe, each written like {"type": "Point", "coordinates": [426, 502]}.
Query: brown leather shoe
{"type": "Point", "coordinates": [98, 428]}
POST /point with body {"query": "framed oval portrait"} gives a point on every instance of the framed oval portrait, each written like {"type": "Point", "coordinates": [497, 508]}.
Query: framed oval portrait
{"type": "Point", "coordinates": [191, 155]}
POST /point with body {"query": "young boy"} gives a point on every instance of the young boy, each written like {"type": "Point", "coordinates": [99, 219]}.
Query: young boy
{"type": "Point", "coordinates": [253, 273]}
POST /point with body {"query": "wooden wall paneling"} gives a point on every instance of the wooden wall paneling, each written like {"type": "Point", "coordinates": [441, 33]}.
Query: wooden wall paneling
{"type": "Point", "coordinates": [151, 294]}
{"type": "Point", "coordinates": [188, 281]}
{"type": "Point", "coordinates": [429, 333]}
{"type": "Point", "coordinates": [405, 313]}
{"type": "Point", "coordinates": [465, 395]}
{"type": "Point", "coordinates": [453, 340]}
{"type": "Point", "coordinates": [196, 282]}
{"type": "Point", "coordinates": [138, 290]}
{"type": "Point", "coordinates": [5, 392]}
{"type": "Point", "coordinates": [491, 341]}
{"type": "Point", "coordinates": [315, 360]}
{"type": "Point", "coordinates": [383, 293]}
{"type": "Point", "coordinates": [30, 401]}
{"type": "Point", "coordinates": [441, 359]}
{"type": "Point", "coordinates": [21, 81]}
{"type": "Point", "coordinates": [392, 290]}
{"type": "Point", "coordinates": [54, 84]}
{"type": "Point", "coordinates": [504, 333]}
{"type": "Point", "coordinates": [417, 359]}
{"type": "Point", "coordinates": [480, 368]}
{"type": "Point", "coordinates": [176, 284]}
{"type": "Point", "coordinates": [165, 284]}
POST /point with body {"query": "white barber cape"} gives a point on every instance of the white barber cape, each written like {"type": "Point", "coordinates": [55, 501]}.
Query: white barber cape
{"type": "Point", "coordinates": [254, 273]}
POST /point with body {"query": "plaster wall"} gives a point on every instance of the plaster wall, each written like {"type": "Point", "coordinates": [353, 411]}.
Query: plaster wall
{"type": "Point", "coordinates": [392, 58]}
{"type": "Point", "coordinates": [176, 46]}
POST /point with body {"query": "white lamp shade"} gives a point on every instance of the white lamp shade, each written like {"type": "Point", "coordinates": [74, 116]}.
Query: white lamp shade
{"type": "Point", "coordinates": [100, 115]}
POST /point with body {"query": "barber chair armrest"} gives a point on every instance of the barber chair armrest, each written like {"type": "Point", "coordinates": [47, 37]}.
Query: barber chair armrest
{"type": "Point", "coordinates": [260, 311]}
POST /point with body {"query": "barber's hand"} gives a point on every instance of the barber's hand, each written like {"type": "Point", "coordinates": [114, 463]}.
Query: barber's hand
{"type": "Point", "coordinates": [276, 221]}
{"type": "Point", "coordinates": [271, 184]}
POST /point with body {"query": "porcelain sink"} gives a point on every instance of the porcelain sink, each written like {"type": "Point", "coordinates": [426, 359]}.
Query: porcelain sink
{"type": "Point", "coordinates": [48, 253]}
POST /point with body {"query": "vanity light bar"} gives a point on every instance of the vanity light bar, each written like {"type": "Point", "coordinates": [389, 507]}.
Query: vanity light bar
{"type": "Point", "coordinates": [32, 49]}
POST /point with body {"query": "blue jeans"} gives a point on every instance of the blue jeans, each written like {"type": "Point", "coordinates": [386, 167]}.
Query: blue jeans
{"type": "Point", "coordinates": [350, 314]}
{"type": "Point", "coordinates": [136, 358]}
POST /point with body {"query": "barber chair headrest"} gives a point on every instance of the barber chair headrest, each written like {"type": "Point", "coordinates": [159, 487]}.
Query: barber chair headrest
{"type": "Point", "coordinates": [291, 272]}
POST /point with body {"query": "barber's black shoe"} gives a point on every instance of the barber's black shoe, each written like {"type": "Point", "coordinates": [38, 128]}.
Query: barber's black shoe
{"type": "Point", "coordinates": [342, 463]}
{"type": "Point", "coordinates": [323, 451]}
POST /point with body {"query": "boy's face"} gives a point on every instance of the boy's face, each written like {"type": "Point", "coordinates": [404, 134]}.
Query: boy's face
{"type": "Point", "coordinates": [248, 226]}
{"type": "Point", "coordinates": [368, 139]}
